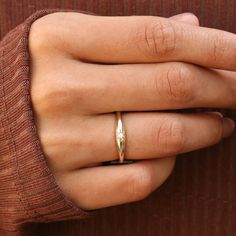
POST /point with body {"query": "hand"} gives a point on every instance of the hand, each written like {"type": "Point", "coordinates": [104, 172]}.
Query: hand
{"type": "Point", "coordinates": [86, 67]}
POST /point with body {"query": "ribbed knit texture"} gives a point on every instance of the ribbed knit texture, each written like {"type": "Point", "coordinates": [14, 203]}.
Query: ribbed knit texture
{"type": "Point", "coordinates": [199, 199]}
{"type": "Point", "coordinates": [28, 191]}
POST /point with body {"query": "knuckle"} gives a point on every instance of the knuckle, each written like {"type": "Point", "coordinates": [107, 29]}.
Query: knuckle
{"type": "Point", "coordinates": [51, 95]}
{"type": "Point", "coordinates": [49, 99]}
{"type": "Point", "coordinates": [175, 83]}
{"type": "Point", "coordinates": [223, 47]}
{"type": "Point", "coordinates": [169, 136]}
{"type": "Point", "coordinates": [46, 34]}
{"type": "Point", "coordinates": [139, 183]}
{"type": "Point", "coordinates": [158, 38]}
{"type": "Point", "coordinates": [52, 144]}
{"type": "Point", "coordinates": [220, 47]}
{"type": "Point", "coordinates": [40, 37]}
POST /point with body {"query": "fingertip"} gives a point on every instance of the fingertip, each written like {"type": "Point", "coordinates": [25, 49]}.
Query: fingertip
{"type": "Point", "coordinates": [187, 18]}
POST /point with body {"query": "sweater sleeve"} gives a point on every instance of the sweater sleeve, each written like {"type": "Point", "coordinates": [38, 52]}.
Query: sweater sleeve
{"type": "Point", "coordinates": [28, 190]}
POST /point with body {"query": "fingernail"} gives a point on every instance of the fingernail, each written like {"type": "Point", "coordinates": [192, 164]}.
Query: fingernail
{"type": "Point", "coordinates": [217, 113]}
{"type": "Point", "coordinates": [181, 16]}
{"type": "Point", "coordinates": [228, 126]}
{"type": "Point", "coordinates": [187, 18]}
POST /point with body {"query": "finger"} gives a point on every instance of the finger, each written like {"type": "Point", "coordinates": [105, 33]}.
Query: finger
{"type": "Point", "coordinates": [135, 39]}
{"type": "Point", "coordinates": [140, 87]}
{"type": "Point", "coordinates": [156, 135]}
{"type": "Point", "coordinates": [148, 134]}
{"type": "Point", "coordinates": [104, 186]}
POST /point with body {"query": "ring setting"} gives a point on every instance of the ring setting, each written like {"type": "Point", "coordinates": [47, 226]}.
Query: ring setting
{"type": "Point", "coordinates": [120, 137]}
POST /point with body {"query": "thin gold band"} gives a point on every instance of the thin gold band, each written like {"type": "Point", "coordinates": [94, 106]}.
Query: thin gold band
{"type": "Point", "coordinates": [120, 137]}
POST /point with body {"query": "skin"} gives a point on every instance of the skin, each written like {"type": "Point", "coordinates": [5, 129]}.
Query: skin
{"type": "Point", "coordinates": [84, 68]}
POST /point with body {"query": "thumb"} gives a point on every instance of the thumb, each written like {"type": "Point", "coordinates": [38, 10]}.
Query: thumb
{"type": "Point", "coordinates": [187, 18]}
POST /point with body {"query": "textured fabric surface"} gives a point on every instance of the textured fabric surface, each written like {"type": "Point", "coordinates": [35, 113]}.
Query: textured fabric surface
{"type": "Point", "coordinates": [200, 196]}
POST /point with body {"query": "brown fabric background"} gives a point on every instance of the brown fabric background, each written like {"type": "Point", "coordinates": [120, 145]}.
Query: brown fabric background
{"type": "Point", "coordinates": [199, 199]}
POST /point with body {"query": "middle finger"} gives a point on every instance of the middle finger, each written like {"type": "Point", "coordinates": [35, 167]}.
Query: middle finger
{"type": "Point", "coordinates": [151, 87]}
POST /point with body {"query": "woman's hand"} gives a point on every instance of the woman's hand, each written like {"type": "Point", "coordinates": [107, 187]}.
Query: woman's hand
{"type": "Point", "coordinates": [86, 67]}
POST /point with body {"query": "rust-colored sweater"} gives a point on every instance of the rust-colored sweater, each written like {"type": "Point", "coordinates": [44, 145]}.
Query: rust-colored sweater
{"type": "Point", "coordinates": [199, 198]}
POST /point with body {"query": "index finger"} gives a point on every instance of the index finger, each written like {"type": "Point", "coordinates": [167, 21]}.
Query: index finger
{"type": "Point", "coordinates": [140, 39]}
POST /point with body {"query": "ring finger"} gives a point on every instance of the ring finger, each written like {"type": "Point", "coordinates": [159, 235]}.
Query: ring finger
{"type": "Point", "coordinates": [149, 135]}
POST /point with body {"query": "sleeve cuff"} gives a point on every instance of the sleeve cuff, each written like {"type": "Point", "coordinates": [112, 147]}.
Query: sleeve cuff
{"type": "Point", "coordinates": [28, 191]}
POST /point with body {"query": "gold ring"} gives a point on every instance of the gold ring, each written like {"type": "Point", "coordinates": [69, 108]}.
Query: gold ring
{"type": "Point", "coordinates": [120, 137]}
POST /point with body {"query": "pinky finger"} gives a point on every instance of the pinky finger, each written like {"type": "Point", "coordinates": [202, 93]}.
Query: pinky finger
{"type": "Point", "coordinates": [105, 186]}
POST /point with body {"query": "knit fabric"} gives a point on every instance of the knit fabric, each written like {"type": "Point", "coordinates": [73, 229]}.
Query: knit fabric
{"type": "Point", "coordinates": [28, 190]}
